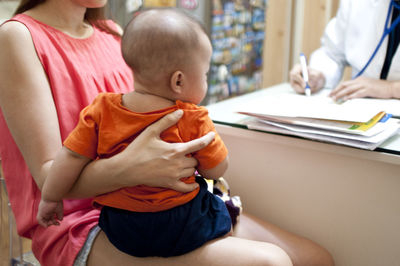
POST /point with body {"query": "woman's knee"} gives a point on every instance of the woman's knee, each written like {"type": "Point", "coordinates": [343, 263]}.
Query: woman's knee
{"type": "Point", "coordinates": [247, 252]}
{"type": "Point", "coordinates": [272, 255]}
{"type": "Point", "coordinates": [315, 256]}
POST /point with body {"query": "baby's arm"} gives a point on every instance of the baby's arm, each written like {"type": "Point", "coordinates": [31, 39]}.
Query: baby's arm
{"type": "Point", "coordinates": [215, 154]}
{"type": "Point", "coordinates": [216, 172]}
{"type": "Point", "coordinates": [65, 170]}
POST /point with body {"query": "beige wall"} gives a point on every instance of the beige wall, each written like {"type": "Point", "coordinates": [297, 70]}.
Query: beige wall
{"type": "Point", "coordinates": [343, 198]}
{"type": "Point", "coordinates": [277, 42]}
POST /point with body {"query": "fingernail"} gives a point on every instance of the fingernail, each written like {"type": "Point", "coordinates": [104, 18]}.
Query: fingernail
{"type": "Point", "coordinates": [179, 112]}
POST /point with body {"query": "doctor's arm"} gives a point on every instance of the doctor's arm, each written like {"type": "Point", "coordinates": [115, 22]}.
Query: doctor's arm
{"type": "Point", "coordinates": [330, 58]}
{"type": "Point", "coordinates": [327, 62]}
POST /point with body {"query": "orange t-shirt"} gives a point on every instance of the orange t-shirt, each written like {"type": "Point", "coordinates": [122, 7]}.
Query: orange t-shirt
{"type": "Point", "coordinates": [106, 128]}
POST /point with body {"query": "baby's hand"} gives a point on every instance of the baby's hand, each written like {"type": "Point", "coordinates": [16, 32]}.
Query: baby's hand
{"type": "Point", "coordinates": [50, 213]}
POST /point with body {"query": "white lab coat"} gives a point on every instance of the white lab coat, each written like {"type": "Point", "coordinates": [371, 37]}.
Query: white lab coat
{"type": "Point", "coordinates": [350, 39]}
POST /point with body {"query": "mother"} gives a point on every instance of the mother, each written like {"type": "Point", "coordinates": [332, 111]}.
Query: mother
{"type": "Point", "coordinates": [55, 56]}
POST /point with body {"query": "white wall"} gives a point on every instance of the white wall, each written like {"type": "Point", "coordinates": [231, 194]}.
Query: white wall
{"type": "Point", "coordinates": [7, 8]}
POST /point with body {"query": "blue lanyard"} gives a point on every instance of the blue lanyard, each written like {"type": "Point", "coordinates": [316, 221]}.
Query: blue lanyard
{"type": "Point", "coordinates": [386, 31]}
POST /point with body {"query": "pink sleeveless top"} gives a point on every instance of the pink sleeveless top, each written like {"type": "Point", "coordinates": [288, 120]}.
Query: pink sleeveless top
{"type": "Point", "coordinates": [77, 70]}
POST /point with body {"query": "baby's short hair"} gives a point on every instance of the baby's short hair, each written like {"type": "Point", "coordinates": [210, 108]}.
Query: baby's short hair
{"type": "Point", "coordinates": [157, 42]}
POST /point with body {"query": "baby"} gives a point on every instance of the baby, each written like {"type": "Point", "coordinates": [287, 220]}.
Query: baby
{"type": "Point", "coordinates": [169, 53]}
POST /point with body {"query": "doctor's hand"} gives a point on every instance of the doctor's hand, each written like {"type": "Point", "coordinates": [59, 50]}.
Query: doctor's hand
{"type": "Point", "coordinates": [316, 79]}
{"type": "Point", "coordinates": [363, 87]}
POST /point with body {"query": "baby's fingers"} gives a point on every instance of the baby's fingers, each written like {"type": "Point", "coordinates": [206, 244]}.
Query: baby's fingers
{"type": "Point", "coordinates": [54, 222]}
{"type": "Point", "coordinates": [42, 222]}
{"type": "Point", "coordinates": [60, 213]}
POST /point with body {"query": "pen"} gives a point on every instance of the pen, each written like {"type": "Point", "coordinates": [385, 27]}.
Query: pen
{"type": "Point", "coordinates": [303, 63]}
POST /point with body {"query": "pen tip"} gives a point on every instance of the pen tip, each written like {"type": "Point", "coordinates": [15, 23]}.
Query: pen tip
{"type": "Point", "coordinates": [307, 90]}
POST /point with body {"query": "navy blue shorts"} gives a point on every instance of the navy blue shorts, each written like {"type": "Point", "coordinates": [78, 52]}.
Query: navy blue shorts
{"type": "Point", "coordinates": [167, 233]}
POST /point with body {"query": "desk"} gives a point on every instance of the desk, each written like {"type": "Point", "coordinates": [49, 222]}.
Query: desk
{"type": "Point", "coordinates": [344, 198]}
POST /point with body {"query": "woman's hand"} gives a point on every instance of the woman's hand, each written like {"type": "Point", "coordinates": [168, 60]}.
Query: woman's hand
{"type": "Point", "coordinates": [316, 79]}
{"type": "Point", "coordinates": [363, 87]}
{"type": "Point", "coordinates": [148, 160]}
{"type": "Point", "coordinates": [161, 164]}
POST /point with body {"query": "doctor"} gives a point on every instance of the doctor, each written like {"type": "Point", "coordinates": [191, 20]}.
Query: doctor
{"type": "Point", "coordinates": [364, 35]}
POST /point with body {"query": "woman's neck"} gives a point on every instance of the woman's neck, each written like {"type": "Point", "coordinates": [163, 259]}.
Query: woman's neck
{"type": "Point", "coordinates": [63, 15]}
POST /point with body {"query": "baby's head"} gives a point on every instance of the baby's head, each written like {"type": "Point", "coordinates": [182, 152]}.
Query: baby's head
{"type": "Point", "coordinates": [169, 53]}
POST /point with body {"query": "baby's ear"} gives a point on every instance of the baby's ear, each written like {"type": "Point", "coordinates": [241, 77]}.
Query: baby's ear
{"type": "Point", "coordinates": [176, 82]}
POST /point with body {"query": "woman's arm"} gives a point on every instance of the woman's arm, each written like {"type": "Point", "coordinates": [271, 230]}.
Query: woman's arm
{"type": "Point", "coordinates": [147, 160]}
{"type": "Point", "coordinates": [26, 100]}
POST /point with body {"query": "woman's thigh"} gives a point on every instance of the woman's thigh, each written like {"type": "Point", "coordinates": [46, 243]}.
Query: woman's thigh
{"type": "Point", "coordinates": [302, 251]}
{"type": "Point", "coordinates": [222, 251]}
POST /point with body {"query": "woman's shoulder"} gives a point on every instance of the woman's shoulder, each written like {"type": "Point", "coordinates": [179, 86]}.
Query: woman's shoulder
{"type": "Point", "coordinates": [14, 35]}
{"type": "Point", "coordinates": [13, 27]}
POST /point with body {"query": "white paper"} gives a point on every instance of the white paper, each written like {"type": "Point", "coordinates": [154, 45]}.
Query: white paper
{"type": "Point", "coordinates": [335, 126]}
{"type": "Point", "coordinates": [317, 106]}
{"type": "Point", "coordinates": [369, 143]}
{"type": "Point", "coordinates": [391, 126]}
